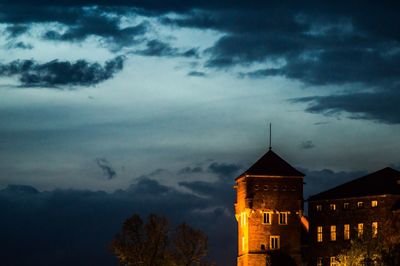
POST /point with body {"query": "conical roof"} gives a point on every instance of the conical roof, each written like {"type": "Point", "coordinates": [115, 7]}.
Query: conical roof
{"type": "Point", "coordinates": [270, 164]}
{"type": "Point", "coordinates": [384, 181]}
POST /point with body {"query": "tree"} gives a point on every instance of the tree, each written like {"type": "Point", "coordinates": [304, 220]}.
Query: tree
{"type": "Point", "coordinates": [380, 249]}
{"type": "Point", "coordinates": [189, 246]}
{"type": "Point", "coordinates": [153, 244]}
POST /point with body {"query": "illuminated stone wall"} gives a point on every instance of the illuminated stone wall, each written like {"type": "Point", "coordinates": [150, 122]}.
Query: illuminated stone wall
{"type": "Point", "coordinates": [258, 194]}
{"type": "Point", "coordinates": [351, 215]}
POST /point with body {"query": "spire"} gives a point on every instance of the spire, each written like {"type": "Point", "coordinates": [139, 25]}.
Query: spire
{"type": "Point", "coordinates": [270, 136]}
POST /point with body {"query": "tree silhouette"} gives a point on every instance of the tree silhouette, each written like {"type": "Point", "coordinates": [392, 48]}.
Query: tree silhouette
{"type": "Point", "coordinates": [153, 244]}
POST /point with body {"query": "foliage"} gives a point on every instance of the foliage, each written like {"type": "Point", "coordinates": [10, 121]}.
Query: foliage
{"type": "Point", "coordinates": [381, 250]}
{"type": "Point", "coordinates": [153, 244]}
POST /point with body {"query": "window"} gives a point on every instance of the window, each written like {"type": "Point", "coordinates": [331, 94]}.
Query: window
{"type": "Point", "coordinates": [319, 233]}
{"type": "Point", "coordinates": [360, 229]}
{"type": "Point", "coordinates": [332, 207]}
{"type": "Point", "coordinates": [267, 218]}
{"type": "Point", "coordinates": [319, 261]}
{"type": "Point", "coordinates": [283, 217]}
{"type": "Point", "coordinates": [243, 243]}
{"type": "Point", "coordinates": [360, 204]}
{"type": "Point", "coordinates": [266, 187]}
{"type": "Point", "coordinates": [256, 187]}
{"type": "Point", "coordinates": [262, 247]}
{"type": "Point", "coordinates": [275, 242]}
{"type": "Point", "coordinates": [346, 231]}
{"type": "Point", "coordinates": [319, 208]}
{"type": "Point", "coordinates": [333, 261]}
{"type": "Point", "coordinates": [243, 219]}
{"type": "Point", "coordinates": [374, 229]}
{"type": "Point", "coordinates": [346, 205]}
{"type": "Point", "coordinates": [374, 203]}
{"type": "Point", "coordinates": [333, 232]}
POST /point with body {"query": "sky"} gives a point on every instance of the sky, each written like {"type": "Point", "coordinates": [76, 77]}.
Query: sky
{"type": "Point", "coordinates": [110, 109]}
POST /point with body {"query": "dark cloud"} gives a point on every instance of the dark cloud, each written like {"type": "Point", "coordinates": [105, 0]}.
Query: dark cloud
{"type": "Point", "coordinates": [16, 30]}
{"type": "Point", "coordinates": [337, 66]}
{"type": "Point", "coordinates": [381, 106]}
{"type": "Point", "coordinates": [19, 45]}
{"type": "Point", "coordinates": [190, 170]}
{"type": "Point", "coordinates": [306, 145]}
{"type": "Point", "coordinates": [196, 74]}
{"type": "Point", "coordinates": [224, 170]}
{"type": "Point", "coordinates": [102, 26]}
{"type": "Point", "coordinates": [329, 44]}
{"type": "Point", "coordinates": [106, 167]}
{"type": "Point", "coordinates": [61, 73]}
{"type": "Point", "coordinates": [321, 180]}
{"type": "Point", "coordinates": [158, 48]}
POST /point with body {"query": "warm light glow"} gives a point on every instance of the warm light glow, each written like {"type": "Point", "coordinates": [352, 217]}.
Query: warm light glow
{"type": "Point", "coordinates": [267, 218]}
{"type": "Point", "coordinates": [283, 218]}
{"type": "Point", "coordinates": [360, 229]}
{"type": "Point", "coordinates": [333, 261]}
{"type": "Point", "coordinates": [346, 232]}
{"type": "Point", "coordinates": [274, 242]}
{"type": "Point", "coordinates": [319, 234]}
{"type": "Point", "coordinates": [374, 229]}
{"type": "Point", "coordinates": [305, 223]}
{"type": "Point", "coordinates": [333, 232]}
{"type": "Point", "coordinates": [374, 203]}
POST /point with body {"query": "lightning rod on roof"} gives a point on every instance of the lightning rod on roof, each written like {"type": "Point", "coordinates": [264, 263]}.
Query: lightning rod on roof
{"type": "Point", "coordinates": [270, 135]}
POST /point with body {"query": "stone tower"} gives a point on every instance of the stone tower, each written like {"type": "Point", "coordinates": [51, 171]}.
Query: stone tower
{"type": "Point", "coordinates": [269, 212]}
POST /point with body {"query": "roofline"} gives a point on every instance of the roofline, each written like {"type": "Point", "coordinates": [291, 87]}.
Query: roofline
{"type": "Point", "coordinates": [269, 176]}
{"type": "Point", "coordinates": [350, 198]}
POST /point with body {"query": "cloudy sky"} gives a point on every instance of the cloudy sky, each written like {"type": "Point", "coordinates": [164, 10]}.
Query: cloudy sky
{"type": "Point", "coordinates": [103, 106]}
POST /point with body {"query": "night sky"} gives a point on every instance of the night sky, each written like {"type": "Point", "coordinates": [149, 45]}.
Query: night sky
{"type": "Point", "coordinates": [111, 109]}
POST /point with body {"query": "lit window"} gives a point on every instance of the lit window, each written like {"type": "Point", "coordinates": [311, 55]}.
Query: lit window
{"type": "Point", "coordinates": [283, 217]}
{"type": "Point", "coordinates": [243, 219]}
{"type": "Point", "coordinates": [333, 261]}
{"type": "Point", "coordinates": [319, 261]}
{"type": "Point", "coordinates": [346, 232]}
{"type": "Point", "coordinates": [360, 204]}
{"type": "Point", "coordinates": [332, 207]}
{"type": "Point", "coordinates": [319, 234]}
{"type": "Point", "coordinates": [267, 218]}
{"type": "Point", "coordinates": [374, 229]}
{"type": "Point", "coordinates": [346, 205]}
{"type": "Point", "coordinates": [374, 203]}
{"type": "Point", "coordinates": [275, 242]}
{"type": "Point", "coordinates": [319, 208]}
{"type": "Point", "coordinates": [333, 232]}
{"type": "Point", "coordinates": [360, 229]}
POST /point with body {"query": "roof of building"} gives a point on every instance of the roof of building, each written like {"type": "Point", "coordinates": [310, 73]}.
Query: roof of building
{"type": "Point", "coordinates": [270, 164]}
{"type": "Point", "coordinates": [382, 182]}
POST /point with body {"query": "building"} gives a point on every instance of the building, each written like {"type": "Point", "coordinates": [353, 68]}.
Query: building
{"type": "Point", "coordinates": [363, 207]}
{"type": "Point", "coordinates": [269, 212]}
